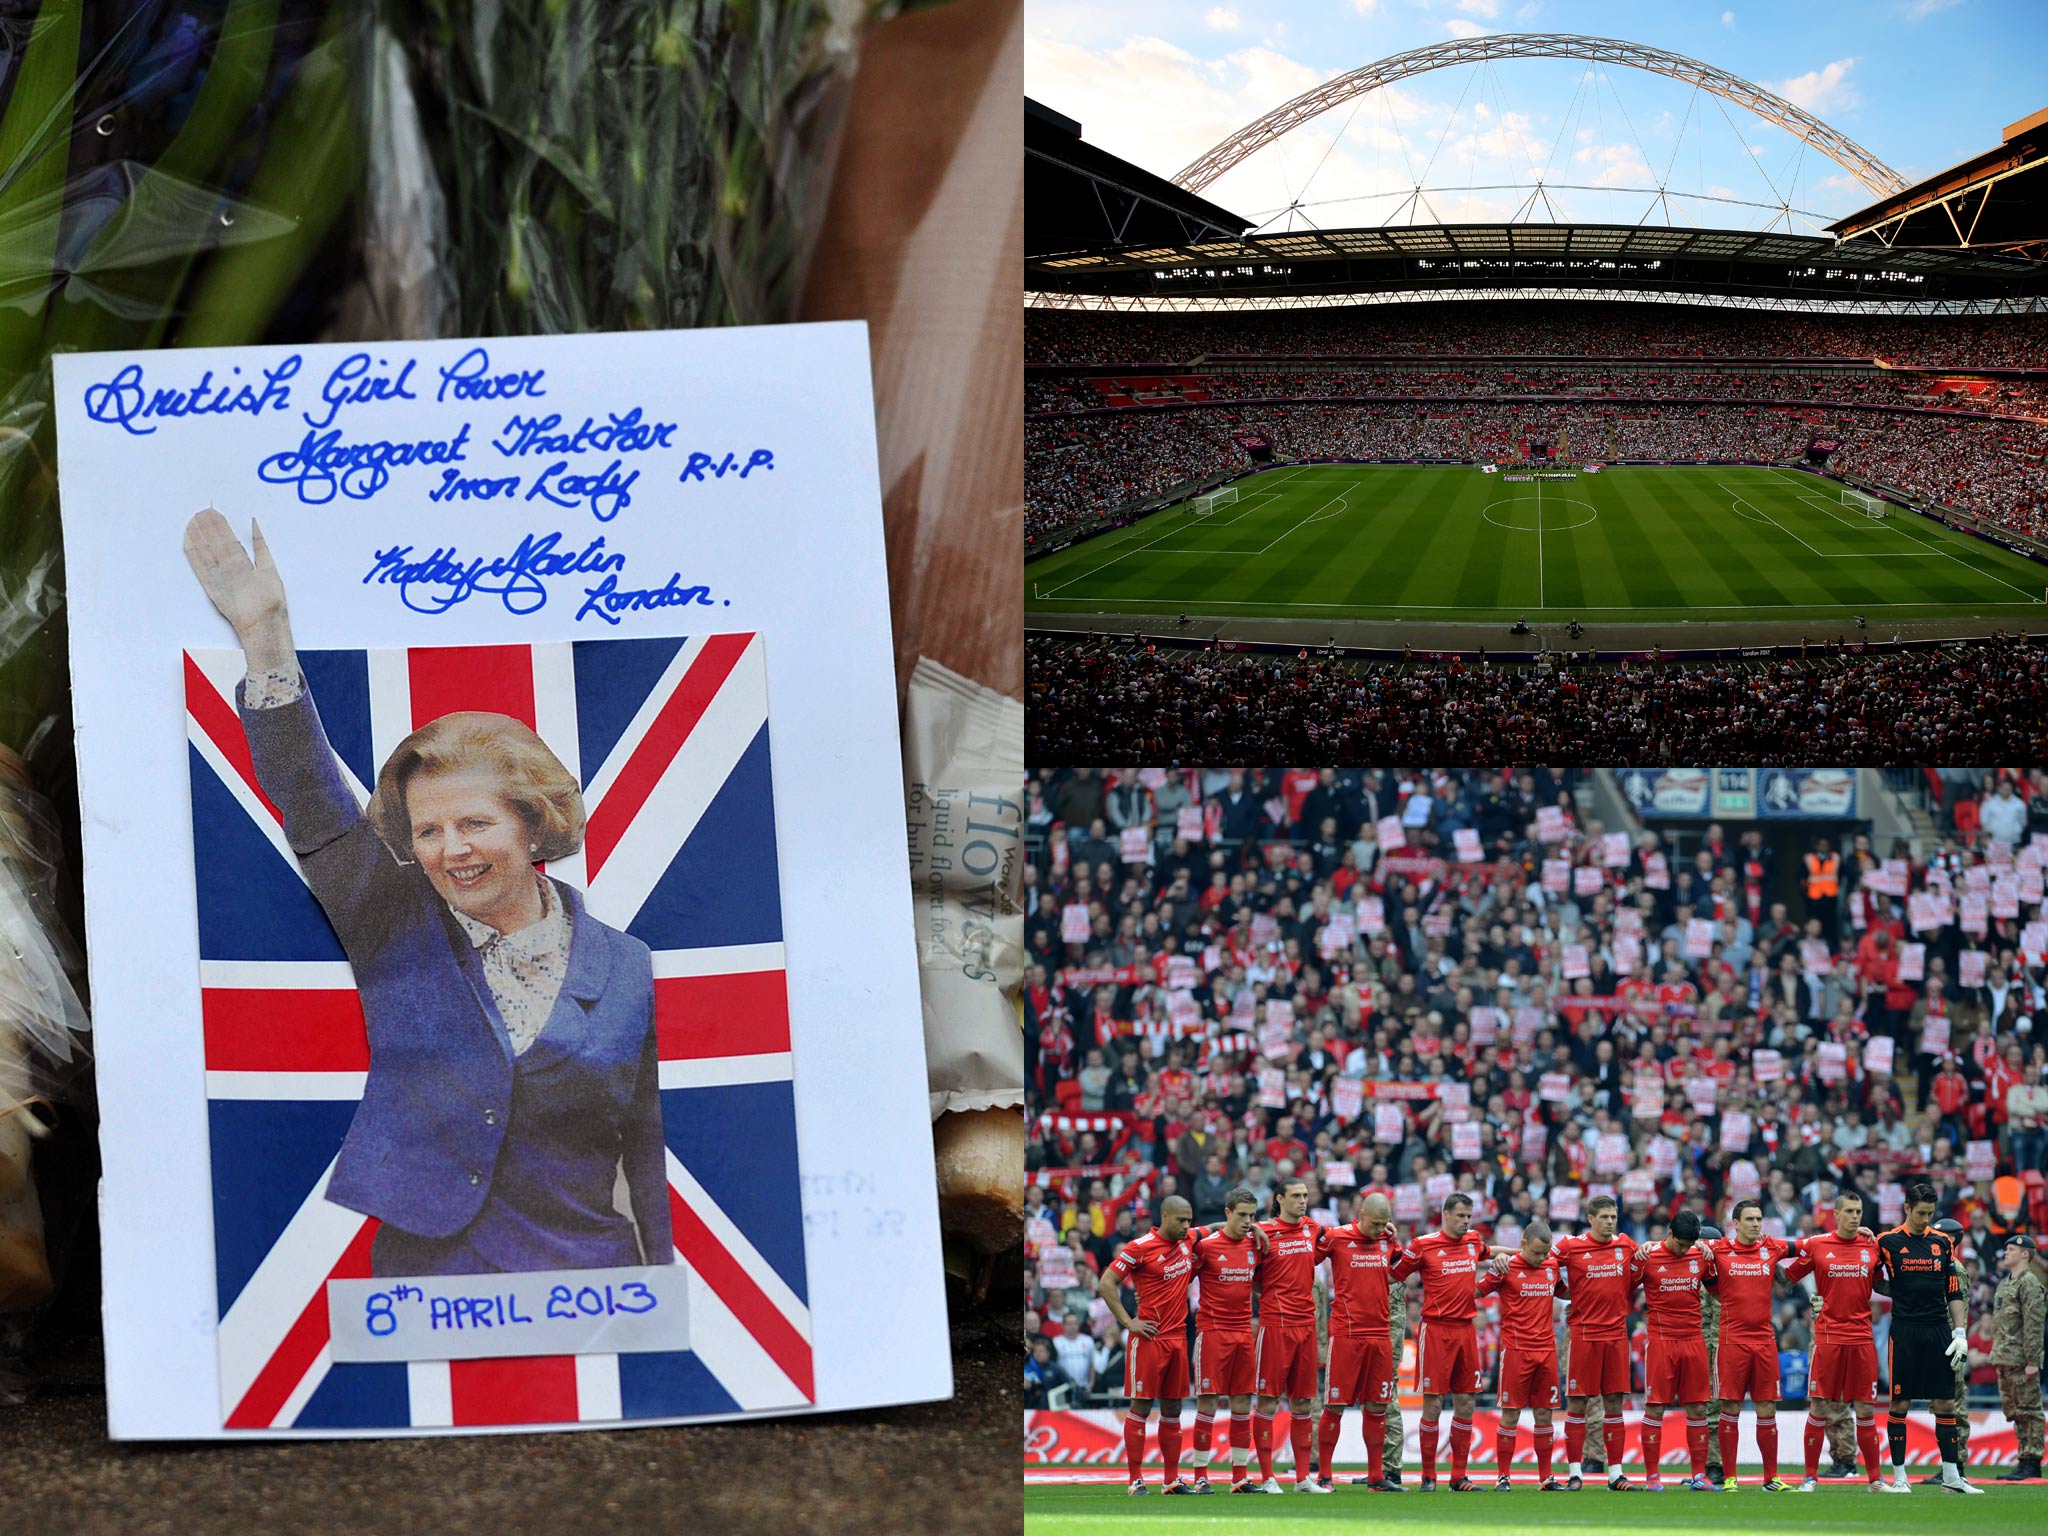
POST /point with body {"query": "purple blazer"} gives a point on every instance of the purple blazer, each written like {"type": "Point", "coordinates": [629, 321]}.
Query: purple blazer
{"type": "Point", "coordinates": [458, 1137]}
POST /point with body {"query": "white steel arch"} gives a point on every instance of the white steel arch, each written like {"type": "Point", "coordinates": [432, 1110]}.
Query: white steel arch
{"type": "Point", "coordinates": [1838, 147]}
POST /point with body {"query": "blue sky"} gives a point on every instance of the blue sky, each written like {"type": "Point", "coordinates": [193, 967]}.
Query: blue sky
{"type": "Point", "coordinates": [1919, 84]}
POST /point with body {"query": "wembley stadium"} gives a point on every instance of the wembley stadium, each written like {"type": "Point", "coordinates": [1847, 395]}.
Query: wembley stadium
{"type": "Point", "coordinates": [1810, 453]}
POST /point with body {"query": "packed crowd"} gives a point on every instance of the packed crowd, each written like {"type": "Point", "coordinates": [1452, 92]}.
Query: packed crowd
{"type": "Point", "coordinates": [1079, 471]}
{"type": "Point", "coordinates": [1593, 381]}
{"type": "Point", "coordinates": [1427, 982]}
{"type": "Point", "coordinates": [1524, 328]}
{"type": "Point", "coordinates": [1093, 700]}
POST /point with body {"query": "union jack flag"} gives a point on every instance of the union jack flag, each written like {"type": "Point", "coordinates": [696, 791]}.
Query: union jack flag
{"type": "Point", "coordinates": [669, 738]}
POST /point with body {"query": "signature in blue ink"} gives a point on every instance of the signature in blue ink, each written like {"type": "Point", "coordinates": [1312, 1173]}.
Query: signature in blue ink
{"type": "Point", "coordinates": [356, 381]}
{"type": "Point", "coordinates": [324, 464]}
{"type": "Point", "coordinates": [616, 434]}
{"type": "Point", "coordinates": [607, 601]}
{"type": "Point", "coordinates": [125, 402]}
{"type": "Point", "coordinates": [699, 464]}
{"type": "Point", "coordinates": [437, 581]}
{"type": "Point", "coordinates": [469, 377]}
{"type": "Point", "coordinates": [607, 493]}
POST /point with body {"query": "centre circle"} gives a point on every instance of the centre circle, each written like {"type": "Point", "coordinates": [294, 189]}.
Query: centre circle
{"type": "Point", "coordinates": [1524, 520]}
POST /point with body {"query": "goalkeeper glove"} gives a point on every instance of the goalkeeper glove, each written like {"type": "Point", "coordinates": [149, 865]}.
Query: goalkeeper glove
{"type": "Point", "coordinates": [1958, 1346]}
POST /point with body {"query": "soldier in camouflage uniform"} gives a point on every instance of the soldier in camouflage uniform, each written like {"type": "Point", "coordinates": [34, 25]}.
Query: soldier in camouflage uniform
{"type": "Point", "coordinates": [1710, 1329]}
{"type": "Point", "coordinates": [2016, 1316]}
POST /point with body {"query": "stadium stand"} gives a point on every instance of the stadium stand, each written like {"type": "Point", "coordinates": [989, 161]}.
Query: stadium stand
{"type": "Point", "coordinates": [1676, 1020]}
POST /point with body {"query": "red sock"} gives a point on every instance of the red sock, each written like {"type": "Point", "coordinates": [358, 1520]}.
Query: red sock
{"type": "Point", "coordinates": [1504, 1446]}
{"type": "Point", "coordinates": [1262, 1441]}
{"type": "Point", "coordinates": [1169, 1445]}
{"type": "Point", "coordinates": [1461, 1445]}
{"type": "Point", "coordinates": [1205, 1432]}
{"type": "Point", "coordinates": [1240, 1440]}
{"type": "Point", "coordinates": [1767, 1442]}
{"type": "Point", "coordinates": [1544, 1440]}
{"type": "Point", "coordinates": [1429, 1450]}
{"type": "Point", "coordinates": [1731, 1441]}
{"type": "Point", "coordinates": [1301, 1431]}
{"type": "Point", "coordinates": [1574, 1438]}
{"type": "Point", "coordinates": [1616, 1434]}
{"type": "Point", "coordinates": [1375, 1441]}
{"type": "Point", "coordinates": [1653, 1443]}
{"type": "Point", "coordinates": [1866, 1441]}
{"type": "Point", "coordinates": [1816, 1432]}
{"type": "Point", "coordinates": [1696, 1444]}
{"type": "Point", "coordinates": [1134, 1445]}
{"type": "Point", "coordinates": [1327, 1429]}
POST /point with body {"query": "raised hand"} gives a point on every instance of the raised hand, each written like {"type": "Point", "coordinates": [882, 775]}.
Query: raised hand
{"type": "Point", "coordinates": [248, 591]}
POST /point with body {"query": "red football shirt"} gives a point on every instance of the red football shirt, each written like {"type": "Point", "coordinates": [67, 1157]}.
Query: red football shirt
{"type": "Point", "coordinates": [1599, 1279]}
{"type": "Point", "coordinates": [1843, 1270]}
{"type": "Point", "coordinates": [1360, 1276]}
{"type": "Point", "coordinates": [1450, 1270]}
{"type": "Point", "coordinates": [1528, 1293]}
{"type": "Point", "coordinates": [1671, 1287]}
{"type": "Point", "coordinates": [1161, 1271]}
{"type": "Point", "coordinates": [1225, 1268]}
{"type": "Point", "coordinates": [1745, 1288]}
{"type": "Point", "coordinates": [1287, 1273]}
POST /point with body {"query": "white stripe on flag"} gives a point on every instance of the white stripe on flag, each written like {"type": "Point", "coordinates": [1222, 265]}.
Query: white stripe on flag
{"type": "Point", "coordinates": [288, 1415]}
{"type": "Point", "coordinates": [710, 1071]}
{"type": "Point", "coordinates": [390, 701]}
{"type": "Point", "coordinates": [278, 975]}
{"type": "Point", "coordinates": [245, 797]}
{"type": "Point", "coordinates": [295, 1270]}
{"type": "Point", "coordinates": [729, 1237]}
{"type": "Point", "coordinates": [718, 960]}
{"type": "Point", "coordinates": [431, 1393]}
{"type": "Point", "coordinates": [597, 1388]}
{"type": "Point", "coordinates": [733, 1355]}
{"type": "Point", "coordinates": [636, 730]}
{"type": "Point", "coordinates": [555, 722]}
{"type": "Point", "coordinates": [301, 1086]}
{"type": "Point", "coordinates": [695, 777]}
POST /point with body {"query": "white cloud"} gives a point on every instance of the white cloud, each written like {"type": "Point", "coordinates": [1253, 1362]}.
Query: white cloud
{"type": "Point", "coordinates": [1487, 8]}
{"type": "Point", "coordinates": [1222, 19]}
{"type": "Point", "coordinates": [1463, 28]}
{"type": "Point", "coordinates": [1920, 10]}
{"type": "Point", "coordinates": [1529, 12]}
{"type": "Point", "coordinates": [1826, 89]}
{"type": "Point", "coordinates": [1727, 18]}
{"type": "Point", "coordinates": [1365, 7]}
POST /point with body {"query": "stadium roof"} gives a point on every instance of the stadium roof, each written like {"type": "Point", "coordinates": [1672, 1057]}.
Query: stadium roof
{"type": "Point", "coordinates": [1644, 258]}
{"type": "Point", "coordinates": [1996, 201]}
{"type": "Point", "coordinates": [1078, 195]}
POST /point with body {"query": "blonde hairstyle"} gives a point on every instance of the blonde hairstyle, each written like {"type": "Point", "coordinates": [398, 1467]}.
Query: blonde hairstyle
{"type": "Point", "coordinates": [532, 778]}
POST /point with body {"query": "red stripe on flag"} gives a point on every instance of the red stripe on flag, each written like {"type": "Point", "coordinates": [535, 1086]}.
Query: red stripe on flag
{"type": "Point", "coordinates": [278, 1029]}
{"type": "Point", "coordinates": [289, 1362]}
{"type": "Point", "coordinates": [665, 737]}
{"type": "Point", "coordinates": [788, 1348]}
{"type": "Point", "coordinates": [223, 727]}
{"type": "Point", "coordinates": [742, 1014]}
{"type": "Point", "coordinates": [496, 678]}
{"type": "Point", "coordinates": [529, 1389]}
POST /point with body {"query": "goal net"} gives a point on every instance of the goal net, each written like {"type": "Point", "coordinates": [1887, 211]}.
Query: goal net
{"type": "Point", "coordinates": [1215, 499]}
{"type": "Point", "coordinates": [1869, 506]}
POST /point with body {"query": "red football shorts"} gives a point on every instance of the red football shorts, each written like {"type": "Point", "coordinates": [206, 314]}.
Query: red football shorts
{"type": "Point", "coordinates": [1226, 1362]}
{"type": "Point", "coordinates": [1678, 1370]}
{"type": "Point", "coordinates": [1748, 1368]}
{"type": "Point", "coordinates": [1596, 1367]}
{"type": "Point", "coordinates": [1528, 1379]}
{"type": "Point", "coordinates": [1287, 1361]}
{"type": "Point", "coordinates": [1361, 1371]}
{"type": "Point", "coordinates": [1844, 1372]}
{"type": "Point", "coordinates": [1156, 1367]}
{"type": "Point", "coordinates": [1449, 1358]}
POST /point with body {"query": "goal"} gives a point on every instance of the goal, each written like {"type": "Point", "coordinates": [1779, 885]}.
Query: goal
{"type": "Point", "coordinates": [1213, 500]}
{"type": "Point", "coordinates": [1869, 506]}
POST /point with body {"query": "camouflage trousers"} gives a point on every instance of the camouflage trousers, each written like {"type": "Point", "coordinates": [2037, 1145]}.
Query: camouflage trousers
{"type": "Point", "coordinates": [2020, 1395]}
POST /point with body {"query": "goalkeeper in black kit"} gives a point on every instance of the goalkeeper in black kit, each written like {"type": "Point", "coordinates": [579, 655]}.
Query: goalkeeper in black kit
{"type": "Point", "coordinates": [1916, 1267]}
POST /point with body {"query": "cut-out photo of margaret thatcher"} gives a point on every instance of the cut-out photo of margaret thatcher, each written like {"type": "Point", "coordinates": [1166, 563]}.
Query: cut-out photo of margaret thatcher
{"type": "Point", "coordinates": [513, 1069]}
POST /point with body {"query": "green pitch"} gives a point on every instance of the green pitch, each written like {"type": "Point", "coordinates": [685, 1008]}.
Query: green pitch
{"type": "Point", "coordinates": [1110, 1511]}
{"type": "Point", "coordinates": [1387, 542]}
